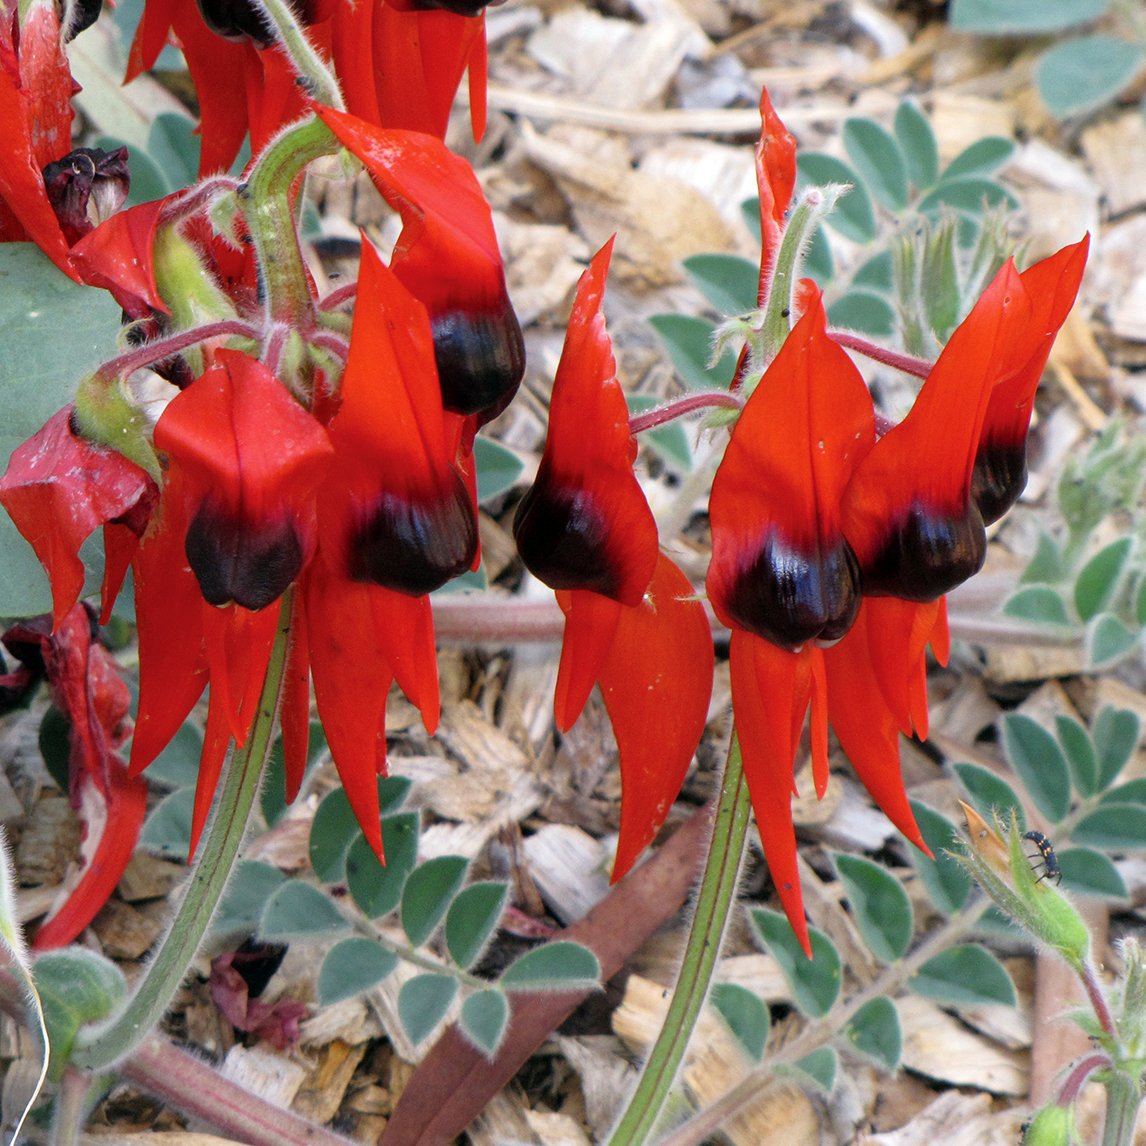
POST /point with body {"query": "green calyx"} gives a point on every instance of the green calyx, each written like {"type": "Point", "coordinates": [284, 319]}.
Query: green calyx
{"type": "Point", "coordinates": [1053, 1125]}
{"type": "Point", "coordinates": [105, 414]}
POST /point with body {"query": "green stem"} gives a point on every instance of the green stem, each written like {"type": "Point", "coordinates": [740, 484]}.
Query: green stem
{"type": "Point", "coordinates": [163, 974]}
{"type": "Point", "coordinates": [1122, 1101]}
{"type": "Point", "coordinates": [266, 199]}
{"type": "Point", "coordinates": [717, 890]}
{"type": "Point", "coordinates": [312, 69]}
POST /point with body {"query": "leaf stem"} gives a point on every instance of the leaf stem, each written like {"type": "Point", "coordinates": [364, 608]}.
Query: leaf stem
{"type": "Point", "coordinates": [717, 890]}
{"type": "Point", "coordinates": [164, 973]}
{"type": "Point", "coordinates": [160, 348]}
{"type": "Point", "coordinates": [908, 363]}
{"type": "Point", "coordinates": [680, 407]}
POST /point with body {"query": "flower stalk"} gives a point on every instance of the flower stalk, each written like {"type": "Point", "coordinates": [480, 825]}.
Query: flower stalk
{"type": "Point", "coordinates": [97, 1050]}
{"type": "Point", "coordinates": [713, 905]}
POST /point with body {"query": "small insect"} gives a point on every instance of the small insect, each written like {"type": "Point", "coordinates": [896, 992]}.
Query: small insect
{"type": "Point", "coordinates": [1048, 861]}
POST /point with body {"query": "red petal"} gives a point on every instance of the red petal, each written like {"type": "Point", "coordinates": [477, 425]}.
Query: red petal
{"type": "Point", "coordinates": [117, 256]}
{"type": "Point", "coordinates": [865, 725]}
{"type": "Point", "coordinates": [590, 626]}
{"type": "Point", "coordinates": [775, 179]}
{"type": "Point", "coordinates": [770, 694]}
{"type": "Point", "coordinates": [779, 566]}
{"type": "Point", "coordinates": [58, 489]}
{"type": "Point", "coordinates": [656, 683]}
{"type": "Point", "coordinates": [585, 524]}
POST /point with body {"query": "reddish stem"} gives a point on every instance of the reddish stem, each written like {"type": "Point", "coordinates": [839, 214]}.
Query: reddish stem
{"type": "Point", "coordinates": [334, 343]}
{"type": "Point", "coordinates": [1097, 999]}
{"type": "Point", "coordinates": [337, 297]}
{"type": "Point", "coordinates": [198, 198]}
{"type": "Point", "coordinates": [679, 407]}
{"type": "Point", "coordinates": [908, 363]}
{"type": "Point", "coordinates": [160, 348]}
{"type": "Point", "coordinates": [1079, 1073]}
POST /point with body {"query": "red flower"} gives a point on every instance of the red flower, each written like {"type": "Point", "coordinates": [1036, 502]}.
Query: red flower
{"type": "Point", "coordinates": [1050, 288]}
{"type": "Point", "coordinates": [631, 624]}
{"type": "Point", "coordinates": [88, 690]}
{"type": "Point", "coordinates": [447, 257]}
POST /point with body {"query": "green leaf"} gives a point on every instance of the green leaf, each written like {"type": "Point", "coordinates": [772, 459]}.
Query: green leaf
{"type": "Point", "coordinates": [854, 216]}
{"type": "Point", "coordinates": [669, 441]}
{"type": "Point", "coordinates": [253, 883]}
{"type": "Point", "coordinates": [1080, 754]}
{"type": "Point", "coordinates": [335, 827]}
{"type": "Point", "coordinates": [820, 1068]}
{"type": "Point", "coordinates": [272, 797]}
{"type": "Point", "coordinates": [1047, 564]}
{"type": "Point", "coordinates": [1140, 603]}
{"type": "Point", "coordinates": [76, 987]}
{"type": "Point", "coordinates": [1115, 732]}
{"type": "Point", "coordinates": [55, 743]}
{"type": "Point", "coordinates": [989, 793]}
{"type": "Point", "coordinates": [967, 974]}
{"type": "Point", "coordinates": [1035, 754]}
{"type": "Point", "coordinates": [167, 831]}
{"type": "Point", "coordinates": [1022, 17]}
{"type": "Point", "coordinates": [1107, 641]}
{"type": "Point", "coordinates": [351, 967]}
{"type": "Point", "coordinates": [1090, 872]}
{"type": "Point", "coordinates": [1112, 828]}
{"type": "Point", "coordinates": [745, 1015]}
{"type": "Point", "coordinates": [874, 1032]}
{"type": "Point", "coordinates": [1085, 72]}
{"type": "Point", "coordinates": [52, 333]}
{"type": "Point", "coordinates": [297, 910]}
{"type": "Point", "coordinates": [498, 468]}
{"type": "Point", "coordinates": [881, 907]}
{"type": "Point", "coordinates": [862, 310]}
{"type": "Point", "coordinates": [729, 282]}
{"type": "Point", "coordinates": [920, 150]}
{"type": "Point", "coordinates": [427, 895]}
{"type": "Point", "coordinates": [558, 966]}
{"type": "Point", "coordinates": [984, 157]}
{"type": "Point", "coordinates": [688, 341]}
{"type": "Point", "coordinates": [876, 273]}
{"type": "Point", "coordinates": [1038, 603]}
{"type": "Point", "coordinates": [377, 889]}
{"type": "Point", "coordinates": [423, 1002]}
{"type": "Point", "coordinates": [1099, 578]}
{"type": "Point", "coordinates": [177, 766]}
{"type": "Point", "coordinates": [1132, 792]}
{"type": "Point", "coordinates": [484, 1017]}
{"type": "Point", "coordinates": [173, 145]}
{"type": "Point", "coordinates": [879, 160]}
{"type": "Point", "coordinates": [472, 919]}
{"type": "Point", "coordinates": [945, 881]}
{"type": "Point", "coordinates": [971, 196]}
{"type": "Point", "coordinates": [815, 982]}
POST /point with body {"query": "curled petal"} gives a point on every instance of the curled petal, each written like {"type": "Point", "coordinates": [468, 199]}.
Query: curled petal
{"type": "Point", "coordinates": [780, 565]}
{"type": "Point", "coordinates": [591, 622]}
{"type": "Point", "coordinates": [59, 488]}
{"type": "Point", "coordinates": [585, 523]}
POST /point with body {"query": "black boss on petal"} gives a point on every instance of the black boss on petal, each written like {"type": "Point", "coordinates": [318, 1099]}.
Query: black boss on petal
{"type": "Point", "coordinates": [789, 598]}
{"type": "Point", "coordinates": [927, 554]}
{"type": "Point", "coordinates": [415, 545]}
{"type": "Point", "coordinates": [561, 535]}
{"type": "Point", "coordinates": [236, 561]}
{"type": "Point", "coordinates": [480, 358]}
{"type": "Point", "coordinates": [999, 477]}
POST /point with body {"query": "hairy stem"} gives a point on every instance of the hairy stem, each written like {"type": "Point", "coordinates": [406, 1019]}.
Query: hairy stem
{"type": "Point", "coordinates": [160, 348]}
{"type": "Point", "coordinates": [225, 830]}
{"type": "Point", "coordinates": [714, 902]}
{"type": "Point", "coordinates": [680, 407]}
{"type": "Point", "coordinates": [908, 363]}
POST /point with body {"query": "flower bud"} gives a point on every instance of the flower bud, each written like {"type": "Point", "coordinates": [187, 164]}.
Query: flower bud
{"type": "Point", "coordinates": [1051, 1126]}
{"type": "Point", "coordinates": [85, 187]}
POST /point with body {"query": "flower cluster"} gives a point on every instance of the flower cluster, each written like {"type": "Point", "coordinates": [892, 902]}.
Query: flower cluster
{"type": "Point", "coordinates": [310, 478]}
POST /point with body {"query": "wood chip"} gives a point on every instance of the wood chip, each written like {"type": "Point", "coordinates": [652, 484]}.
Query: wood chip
{"type": "Point", "coordinates": [320, 1096]}
{"type": "Point", "coordinates": [268, 1073]}
{"type": "Point", "coordinates": [568, 866]}
{"type": "Point", "coordinates": [1116, 150]}
{"type": "Point", "coordinates": [955, 1119]}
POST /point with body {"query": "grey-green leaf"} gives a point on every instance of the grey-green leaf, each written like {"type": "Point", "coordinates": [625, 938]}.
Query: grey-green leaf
{"type": "Point", "coordinates": [983, 157]}
{"type": "Point", "coordinates": [1115, 732]}
{"type": "Point", "coordinates": [377, 888]}
{"type": "Point", "coordinates": [729, 282]}
{"type": "Point", "coordinates": [880, 905]}
{"type": "Point", "coordinates": [863, 311]}
{"type": "Point", "coordinates": [820, 1068]}
{"type": "Point", "coordinates": [967, 974]}
{"type": "Point", "coordinates": [497, 466]}
{"type": "Point", "coordinates": [945, 881]}
{"type": "Point", "coordinates": [688, 341]}
{"type": "Point", "coordinates": [167, 830]}
{"type": "Point", "coordinates": [874, 1032]}
{"type": "Point", "coordinates": [1099, 578]}
{"type": "Point", "coordinates": [989, 792]}
{"type": "Point", "coordinates": [1108, 641]}
{"type": "Point", "coordinates": [252, 885]}
{"type": "Point", "coordinates": [351, 967]}
{"type": "Point", "coordinates": [1038, 603]}
{"type": "Point", "coordinates": [920, 149]}
{"type": "Point", "coordinates": [815, 982]}
{"type": "Point", "coordinates": [1085, 72]}
{"type": "Point", "coordinates": [297, 910]}
{"type": "Point", "coordinates": [670, 441]}
{"type": "Point", "coordinates": [427, 895]}
{"type": "Point", "coordinates": [1081, 757]}
{"type": "Point", "coordinates": [1035, 754]}
{"type": "Point", "coordinates": [879, 160]}
{"type": "Point", "coordinates": [1090, 872]}
{"type": "Point", "coordinates": [558, 966]}
{"type": "Point", "coordinates": [472, 919]}
{"type": "Point", "coordinates": [423, 1002]}
{"type": "Point", "coordinates": [335, 827]}
{"type": "Point", "coordinates": [854, 216]}
{"type": "Point", "coordinates": [1023, 17]}
{"type": "Point", "coordinates": [76, 987]}
{"type": "Point", "coordinates": [745, 1015]}
{"type": "Point", "coordinates": [484, 1017]}
{"type": "Point", "coordinates": [971, 195]}
{"type": "Point", "coordinates": [1112, 827]}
